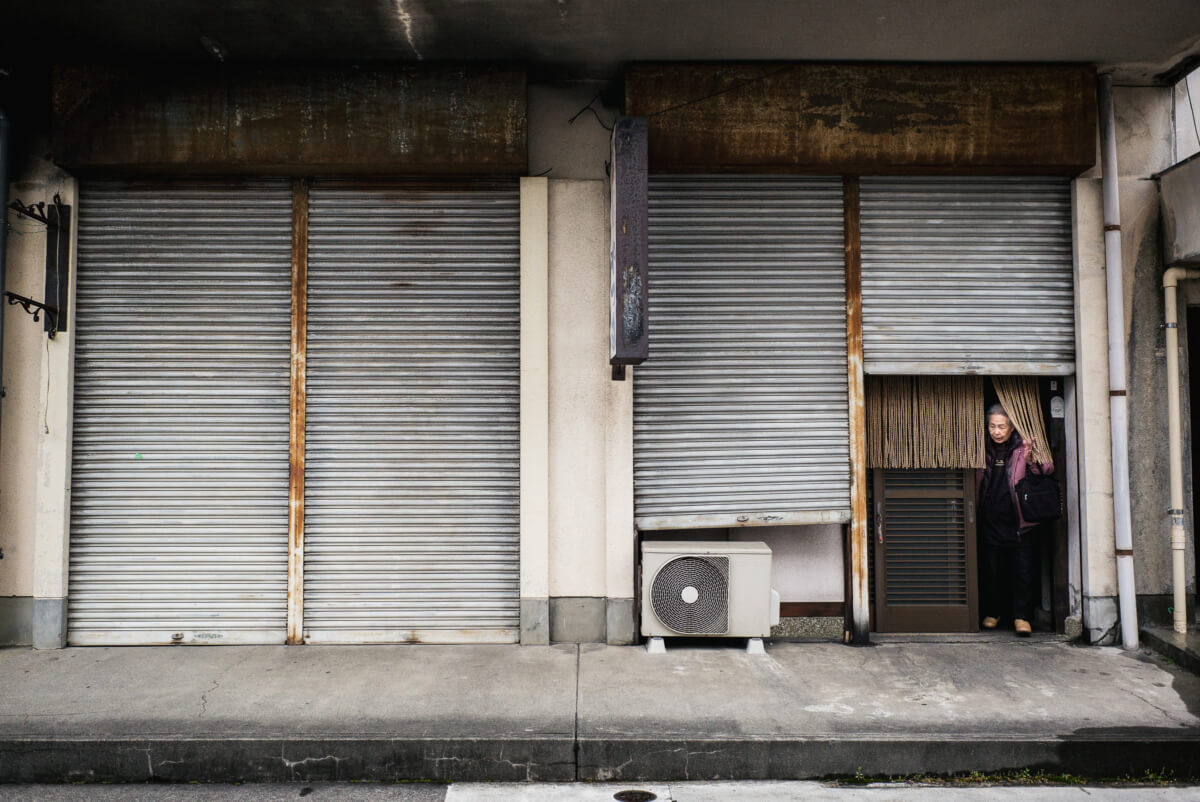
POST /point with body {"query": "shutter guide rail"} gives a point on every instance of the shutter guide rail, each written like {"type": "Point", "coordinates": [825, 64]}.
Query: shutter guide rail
{"type": "Point", "coordinates": [295, 591]}
{"type": "Point", "coordinates": [858, 622]}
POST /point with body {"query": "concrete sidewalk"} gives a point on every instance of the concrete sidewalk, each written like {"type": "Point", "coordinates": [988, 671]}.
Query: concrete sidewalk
{"type": "Point", "coordinates": [591, 712]}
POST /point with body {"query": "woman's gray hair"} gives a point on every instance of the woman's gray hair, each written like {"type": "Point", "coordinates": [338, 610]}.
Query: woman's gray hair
{"type": "Point", "coordinates": [997, 409]}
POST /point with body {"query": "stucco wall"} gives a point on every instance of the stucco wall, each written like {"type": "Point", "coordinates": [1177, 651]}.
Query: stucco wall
{"type": "Point", "coordinates": [23, 355]}
{"type": "Point", "coordinates": [1095, 512]}
{"type": "Point", "coordinates": [560, 148]}
{"type": "Point", "coordinates": [579, 377]}
{"type": "Point", "coordinates": [35, 432]}
{"type": "Point", "coordinates": [806, 561]}
{"type": "Point", "coordinates": [590, 518]}
{"type": "Point", "coordinates": [1144, 147]}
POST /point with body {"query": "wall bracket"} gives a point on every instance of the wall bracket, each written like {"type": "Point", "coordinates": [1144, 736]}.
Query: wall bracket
{"type": "Point", "coordinates": [57, 219]}
{"type": "Point", "coordinates": [34, 308]}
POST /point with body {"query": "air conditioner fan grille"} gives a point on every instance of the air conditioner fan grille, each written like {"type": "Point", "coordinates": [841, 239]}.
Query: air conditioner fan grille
{"type": "Point", "coordinates": [690, 595]}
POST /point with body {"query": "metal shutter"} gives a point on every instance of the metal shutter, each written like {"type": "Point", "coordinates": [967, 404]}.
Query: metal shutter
{"type": "Point", "coordinates": [741, 411]}
{"type": "Point", "coordinates": [967, 275]}
{"type": "Point", "coordinates": [412, 495]}
{"type": "Point", "coordinates": [924, 553]}
{"type": "Point", "coordinates": [180, 464]}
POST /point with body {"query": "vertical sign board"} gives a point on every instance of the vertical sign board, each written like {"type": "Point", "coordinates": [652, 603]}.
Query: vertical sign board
{"type": "Point", "coordinates": [58, 261]}
{"type": "Point", "coordinates": [628, 336]}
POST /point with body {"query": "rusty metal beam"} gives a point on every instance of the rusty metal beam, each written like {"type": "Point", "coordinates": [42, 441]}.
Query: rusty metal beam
{"type": "Point", "coordinates": [296, 442]}
{"type": "Point", "coordinates": [860, 624]}
{"type": "Point", "coordinates": [441, 119]}
{"type": "Point", "coordinates": [866, 118]}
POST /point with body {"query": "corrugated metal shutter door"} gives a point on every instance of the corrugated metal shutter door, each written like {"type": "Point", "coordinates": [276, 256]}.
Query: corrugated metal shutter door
{"type": "Point", "coordinates": [180, 464]}
{"type": "Point", "coordinates": [412, 495]}
{"type": "Point", "coordinates": [741, 411]}
{"type": "Point", "coordinates": [967, 275]}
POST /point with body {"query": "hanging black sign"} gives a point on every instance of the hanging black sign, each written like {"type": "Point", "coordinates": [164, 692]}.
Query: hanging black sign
{"type": "Point", "coordinates": [628, 335]}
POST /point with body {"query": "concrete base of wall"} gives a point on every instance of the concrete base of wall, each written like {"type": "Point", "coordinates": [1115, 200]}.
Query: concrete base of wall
{"type": "Point", "coordinates": [1158, 610]}
{"type": "Point", "coordinates": [619, 622]}
{"type": "Point", "coordinates": [1101, 621]}
{"type": "Point", "coordinates": [535, 622]}
{"type": "Point", "coordinates": [809, 628]}
{"type": "Point", "coordinates": [49, 623]}
{"type": "Point", "coordinates": [16, 620]}
{"type": "Point", "coordinates": [578, 619]}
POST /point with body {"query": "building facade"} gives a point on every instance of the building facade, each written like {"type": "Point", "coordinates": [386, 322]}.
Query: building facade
{"type": "Point", "coordinates": [333, 363]}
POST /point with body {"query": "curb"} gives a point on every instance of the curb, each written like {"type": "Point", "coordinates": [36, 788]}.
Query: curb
{"type": "Point", "coordinates": [128, 760]}
{"type": "Point", "coordinates": [564, 759]}
{"type": "Point", "coordinates": [1170, 643]}
{"type": "Point", "coordinates": [798, 759]}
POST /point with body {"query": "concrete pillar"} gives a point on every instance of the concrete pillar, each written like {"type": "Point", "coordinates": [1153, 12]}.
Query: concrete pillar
{"type": "Point", "coordinates": [39, 372]}
{"type": "Point", "coordinates": [579, 387]}
{"type": "Point", "coordinates": [619, 530]}
{"type": "Point", "coordinates": [535, 413]}
{"type": "Point", "coordinates": [1099, 570]}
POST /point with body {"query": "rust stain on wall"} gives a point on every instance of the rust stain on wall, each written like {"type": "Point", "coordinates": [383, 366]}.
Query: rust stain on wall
{"type": "Point", "coordinates": [863, 118]}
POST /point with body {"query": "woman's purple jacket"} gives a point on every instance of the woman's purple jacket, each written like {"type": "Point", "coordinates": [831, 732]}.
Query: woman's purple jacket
{"type": "Point", "coordinates": [1015, 470]}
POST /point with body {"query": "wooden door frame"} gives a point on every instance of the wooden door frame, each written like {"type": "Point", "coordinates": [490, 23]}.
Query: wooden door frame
{"type": "Point", "coordinates": [922, 618]}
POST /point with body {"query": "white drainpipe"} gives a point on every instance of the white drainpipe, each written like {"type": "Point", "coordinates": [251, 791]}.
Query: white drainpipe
{"type": "Point", "coordinates": [1117, 408]}
{"type": "Point", "coordinates": [1171, 280]}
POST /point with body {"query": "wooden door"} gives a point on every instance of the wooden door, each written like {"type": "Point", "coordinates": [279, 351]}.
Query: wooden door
{"type": "Point", "coordinates": [923, 535]}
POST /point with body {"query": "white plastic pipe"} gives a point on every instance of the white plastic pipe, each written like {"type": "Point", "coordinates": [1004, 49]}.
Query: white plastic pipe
{"type": "Point", "coordinates": [1171, 280]}
{"type": "Point", "coordinates": [1118, 415]}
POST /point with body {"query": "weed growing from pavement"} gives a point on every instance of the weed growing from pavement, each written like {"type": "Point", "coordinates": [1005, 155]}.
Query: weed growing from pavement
{"type": "Point", "coordinates": [1026, 776]}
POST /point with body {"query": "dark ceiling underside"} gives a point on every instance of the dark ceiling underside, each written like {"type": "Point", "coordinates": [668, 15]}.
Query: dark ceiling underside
{"type": "Point", "coordinates": [595, 37]}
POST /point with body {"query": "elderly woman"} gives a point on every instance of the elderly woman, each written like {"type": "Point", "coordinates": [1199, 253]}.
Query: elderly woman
{"type": "Point", "coordinates": [1007, 542]}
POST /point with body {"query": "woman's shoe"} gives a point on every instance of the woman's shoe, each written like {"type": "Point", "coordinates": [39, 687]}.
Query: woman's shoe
{"type": "Point", "coordinates": [1022, 627]}
{"type": "Point", "coordinates": [990, 622]}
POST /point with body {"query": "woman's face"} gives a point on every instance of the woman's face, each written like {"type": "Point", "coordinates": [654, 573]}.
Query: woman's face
{"type": "Point", "coordinates": [999, 428]}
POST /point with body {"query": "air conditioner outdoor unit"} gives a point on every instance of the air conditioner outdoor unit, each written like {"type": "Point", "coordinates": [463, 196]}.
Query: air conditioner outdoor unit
{"type": "Point", "coordinates": [716, 589]}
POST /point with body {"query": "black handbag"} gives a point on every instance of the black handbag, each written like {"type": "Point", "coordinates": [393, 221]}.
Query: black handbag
{"type": "Point", "coordinates": [1040, 498]}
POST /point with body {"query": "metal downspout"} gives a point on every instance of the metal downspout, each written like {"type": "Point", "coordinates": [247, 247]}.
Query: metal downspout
{"type": "Point", "coordinates": [1117, 403]}
{"type": "Point", "coordinates": [1171, 279]}
{"type": "Point", "coordinates": [3, 232]}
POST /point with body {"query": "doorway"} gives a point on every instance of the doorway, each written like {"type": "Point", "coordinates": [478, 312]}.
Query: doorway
{"type": "Point", "coordinates": [922, 516]}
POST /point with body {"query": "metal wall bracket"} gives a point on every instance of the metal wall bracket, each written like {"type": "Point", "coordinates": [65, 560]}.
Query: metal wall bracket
{"type": "Point", "coordinates": [35, 308]}
{"type": "Point", "coordinates": [57, 219]}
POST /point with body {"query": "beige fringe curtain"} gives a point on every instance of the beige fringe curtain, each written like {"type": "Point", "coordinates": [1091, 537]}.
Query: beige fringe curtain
{"type": "Point", "coordinates": [925, 422]}
{"type": "Point", "coordinates": [1020, 399]}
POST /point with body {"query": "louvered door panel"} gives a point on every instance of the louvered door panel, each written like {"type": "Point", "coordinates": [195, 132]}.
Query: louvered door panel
{"type": "Point", "coordinates": [924, 543]}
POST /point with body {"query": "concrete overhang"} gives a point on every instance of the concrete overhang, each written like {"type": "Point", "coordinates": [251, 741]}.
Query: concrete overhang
{"type": "Point", "coordinates": [1180, 195]}
{"type": "Point", "coordinates": [594, 38]}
